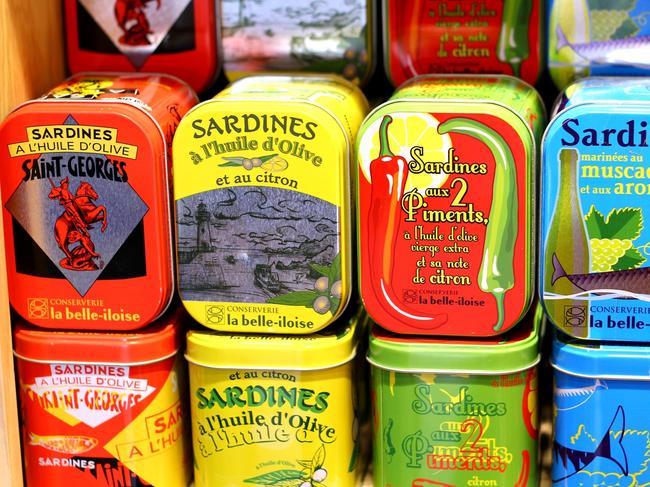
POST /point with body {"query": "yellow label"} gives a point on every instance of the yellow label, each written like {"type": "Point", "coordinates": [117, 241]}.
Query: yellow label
{"type": "Point", "coordinates": [154, 445]}
{"type": "Point", "coordinates": [72, 138]}
{"type": "Point", "coordinates": [272, 427]}
{"type": "Point", "coordinates": [262, 195]}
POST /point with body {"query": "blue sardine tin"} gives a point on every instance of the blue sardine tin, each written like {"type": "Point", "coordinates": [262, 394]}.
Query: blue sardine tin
{"type": "Point", "coordinates": [595, 231]}
{"type": "Point", "coordinates": [597, 38]}
{"type": "Point", "coordinates": [602, 426]}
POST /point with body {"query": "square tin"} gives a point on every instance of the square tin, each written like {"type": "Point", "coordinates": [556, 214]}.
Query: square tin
{"type": "Point", "coordinates": [594, 38]}
{"type": "Point", "coordinates": [452, 412]}
{"type": "Point", "coordinates": [104, 408]}
{"type": "Point", "coordinates": [279, 409]}
{"type": "Point", "coordinates": [86, 201]}
{"type": "Point", "coordinates": [458, 36]}
{"type": "Point", "coordinates": [595, 183]}
{"type": "Point", "coordinates": [275, 36]}
{"type": "Point", "coordinates": [446, 174]}
{"type": "Point", "coordinates": [178, 37]}
{"type": "Point", "coordinates": [263, 204]}
{"type": "Point", "coordinates": [601, 423]}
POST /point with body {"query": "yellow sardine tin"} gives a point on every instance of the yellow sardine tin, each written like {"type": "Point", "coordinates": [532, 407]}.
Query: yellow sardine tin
{"type": "Point", "coordinates": [277, 410]}
{"type": "Point", "coordinates": [262, 190]}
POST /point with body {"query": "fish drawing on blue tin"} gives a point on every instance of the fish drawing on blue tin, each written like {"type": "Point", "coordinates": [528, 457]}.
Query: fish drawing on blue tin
{"type": "Point", "coordinates": [595, 37]}
{"type": "Point", "coordinates": [609, 448]}
{"type": "Point", "coordinates": [569, 398]}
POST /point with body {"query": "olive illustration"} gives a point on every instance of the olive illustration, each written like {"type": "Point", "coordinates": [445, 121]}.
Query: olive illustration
{"type": "Point", "coordinates": [322, 284]}
{"type": "Point", "coordinates": [336, 289]}
{"type": "Point", "coordinates": [322, 305]}
{"type": "Point", "coordinates": [248, 164]}
{"type": "Point", "coordinates": [306, 484]}
{"type": "Point", "coordinates": [320, 475]}
{"type": "Point", "coordinates": [257, 162]}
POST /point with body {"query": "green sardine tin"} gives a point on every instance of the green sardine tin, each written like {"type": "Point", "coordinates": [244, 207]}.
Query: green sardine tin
{"type": "Point", "coordinates": [594, 268]}
{"type": "Point", "coordinates": [456, 412]}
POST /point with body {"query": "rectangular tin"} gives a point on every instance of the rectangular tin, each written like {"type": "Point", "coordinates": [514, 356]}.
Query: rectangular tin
{"type": "Point", "coordinates": [263, 216]}
{"type": "Point", "coordinates": [177, 37]}
{"type": "Point", "coordinates": [595, 184]}
{"type": "Point", "coordinates": [279, 410]}
{"type": "Point", "coordinates": [456, 412]}
{"type": "Point", "coordinates": [327, 36]}
{"type": "Point", "coordinates": [446, 205]}
{"type": "Point", "coordinates": [104, 409]}
{"type": "Point", "coordinates": [458, 36]}
{"type": "Point", "coordinates": [601, 422]}
{"type": "Point", "coordinates": [595, 38]}
{"type": "Point", "coordinates": [85, 196]}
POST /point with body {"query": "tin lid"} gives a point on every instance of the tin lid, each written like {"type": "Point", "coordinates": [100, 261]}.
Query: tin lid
{"type": "Point", "coordinates": [600, 360]}
{"type": "Point", "coordinates": [328, 348]}
{"type": "Point", "coordinates": [152, 344]}
{"type": "Point", "coordinates": [515, 351]}
{"type": "Point", "coordinates": [605, 90]}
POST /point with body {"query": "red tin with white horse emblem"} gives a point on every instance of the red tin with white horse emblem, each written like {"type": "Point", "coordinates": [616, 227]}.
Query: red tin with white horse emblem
{"type": "Point", "coordinates": [85, 201]}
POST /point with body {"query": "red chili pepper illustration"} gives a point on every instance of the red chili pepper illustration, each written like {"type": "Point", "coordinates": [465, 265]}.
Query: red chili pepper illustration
{"type": "Point", "coordinates": [388, 174]}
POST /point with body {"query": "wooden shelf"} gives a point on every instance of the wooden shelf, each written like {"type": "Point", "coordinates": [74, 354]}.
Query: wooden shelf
{"type": "Point", "coordinates": [31, 60]}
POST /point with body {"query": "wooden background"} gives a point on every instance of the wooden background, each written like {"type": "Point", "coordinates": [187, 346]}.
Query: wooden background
{"type": "Point", "coordinates": [31, 61]}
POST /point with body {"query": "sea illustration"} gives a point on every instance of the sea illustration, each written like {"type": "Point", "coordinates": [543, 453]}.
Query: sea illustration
{"type": "Point", "coordinates": [316, 35]}
{"type": "Point", "coordinates": [251, 244]}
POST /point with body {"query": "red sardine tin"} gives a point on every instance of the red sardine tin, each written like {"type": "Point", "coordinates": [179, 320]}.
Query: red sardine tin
{"type": "Point", "coordinates": [177, 37]}
{"type": "Point", "coordinates": [85, 200]}
{"type": "Point", "coordinates": [459, 36]}
{"type": "Point", "coordinates": [104, 409]}
{"type": "Point", "coordinates": [446, 205]}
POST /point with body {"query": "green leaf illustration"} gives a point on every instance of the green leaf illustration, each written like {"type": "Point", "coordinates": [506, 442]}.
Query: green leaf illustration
{"type": "Point", "coordinates": [627, 29]}
{"type": "Point", "coordinates": [266, 158]}
{"type": "Point", "coordinates": [230, 164]}
{"type": "Point", "coordinates": [334, 304]}
{"type": "Point", "coordinates": [595, 223]}
{"type": "Point", "coordinates": [319, 458]}
{"type": "Point", "coordinates": [335, 269]}
{"type": "Point", "coordinates": [283, 478]}
{"type": "Point", "coordinates": [624, 223]}
{"type": "Point", "coordinates": [296, 298]}
{"type": "Point", "coordinates": [632, 259]}
{"type": "Point", "coordinates": [305, 463]}
{"type": "Point", "coordinates": [321, 269]}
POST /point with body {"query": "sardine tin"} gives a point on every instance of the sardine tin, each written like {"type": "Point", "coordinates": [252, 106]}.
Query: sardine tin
{"type": "Point", "coordinates": [452, 412]}
{"type": "Point", "coordinates": [103, 406]}
{"type": "Point", "coordinates": [177, 37]}
{"type": "Point", "coordinates": [275, 36]}
{"type": "Point", "coordinates": [278, 407]}
{"type": "Point", "coordinates": [85, 196]}
{"type": "Point", "coordinates": [601, 403]}
{"type": "Point", "coordinates": [587, 38]}
{"type": "Point", "coordinates": [493, 36]}
{"type": "Point", "coordinates": [446, 205]}
{"type": "Point", "coordinates": [263, 215]}
{"type": "Point", "coordinates": [595, 181]}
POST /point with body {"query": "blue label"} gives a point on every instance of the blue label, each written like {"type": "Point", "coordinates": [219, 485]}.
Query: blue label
{"type": "Point", "coordinates": [595, 251]}
{"type": "Point", "coordinates": [602, 432]}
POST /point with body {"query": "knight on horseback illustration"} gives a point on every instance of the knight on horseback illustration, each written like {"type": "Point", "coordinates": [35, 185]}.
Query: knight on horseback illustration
{"type": "Point", "coordinates": [131, 16]}
{"type": "Point", "coordinates": [73, 225]}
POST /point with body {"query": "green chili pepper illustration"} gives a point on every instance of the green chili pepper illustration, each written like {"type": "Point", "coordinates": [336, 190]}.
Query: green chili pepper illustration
{"type": "Point", "coordinates": [513, 40]}
{"type": "Point", "coordinates": [496, 275]}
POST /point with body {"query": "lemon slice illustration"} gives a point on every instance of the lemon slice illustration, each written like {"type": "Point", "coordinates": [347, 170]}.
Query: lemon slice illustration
{"type": "Point", "coordinates": [406, 131]}
{"type": "Point", "coordinates": [275, 164]}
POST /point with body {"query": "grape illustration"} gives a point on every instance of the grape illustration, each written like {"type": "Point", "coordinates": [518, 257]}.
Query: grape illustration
{"type": "Point", "coordinates": [606, 252]}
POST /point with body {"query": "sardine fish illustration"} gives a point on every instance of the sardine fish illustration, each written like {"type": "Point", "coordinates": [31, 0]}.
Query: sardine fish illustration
{"type": "Point", "coordinates": [620, 51]}
{"type": "Point", "coordinates": [636, 281]}
{"type": "Point", "coordinates": [73, 445]}
{"type": "Point", "coordinates": [573, 461]}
